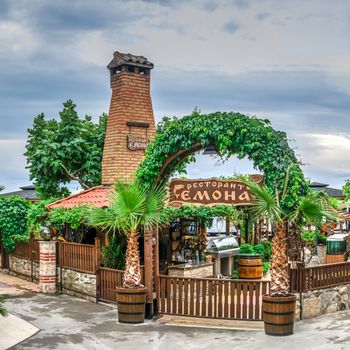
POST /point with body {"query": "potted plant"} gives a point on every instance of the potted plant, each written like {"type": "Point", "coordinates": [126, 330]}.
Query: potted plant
{"type": "Point", "coordinates": [279, 304]}
{"type": "Point", "coordinates": [131, 206]}
{"type": "Point", "coordinates": [249, 263]}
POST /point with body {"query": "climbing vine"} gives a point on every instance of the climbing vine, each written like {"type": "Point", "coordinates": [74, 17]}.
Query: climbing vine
{"type": "Point", "coordinates": [13, 221]}
{"type": "Point", "coordinates": [230, 134]}
{"type": "Point", "coordinates": [202, 214]}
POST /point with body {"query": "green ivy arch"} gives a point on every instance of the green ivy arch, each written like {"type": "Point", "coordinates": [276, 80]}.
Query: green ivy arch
{"type": "Point", "coordinates": [231, 133]}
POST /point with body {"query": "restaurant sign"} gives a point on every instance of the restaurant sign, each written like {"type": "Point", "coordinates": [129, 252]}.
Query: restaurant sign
{"type": "Point", "coordinates": [210, 192]}
{"type": "Point", "coordinates": [137, 143]}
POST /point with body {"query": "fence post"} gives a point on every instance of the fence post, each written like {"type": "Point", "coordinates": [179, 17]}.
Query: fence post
{"type": "Point", "coordinates": [47, 267]}
{"type": "Point", "coordinates": [97, 266]}
{"type": "Point", "coordinates": [148, 272]}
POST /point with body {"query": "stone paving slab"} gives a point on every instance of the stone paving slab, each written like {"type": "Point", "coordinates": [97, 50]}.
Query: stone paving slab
{"type": "Point", "coordinates": [14, 330]}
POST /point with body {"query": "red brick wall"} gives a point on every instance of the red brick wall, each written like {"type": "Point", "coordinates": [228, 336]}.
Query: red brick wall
{"type": "Point", "coordinates": [130, 102]}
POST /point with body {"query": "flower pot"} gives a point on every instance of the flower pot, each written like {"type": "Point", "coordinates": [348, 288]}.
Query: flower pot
{"type": "Point", "coordinates": [250, 266]}
{"type": "Point", "coordinates": [279, 314]}
{"type": "Point", "coordinates": [131, 305]}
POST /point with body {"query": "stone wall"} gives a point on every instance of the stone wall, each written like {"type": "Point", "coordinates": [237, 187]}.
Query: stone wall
{"type": "Point", "coordinates": [78, 284]}
{"type": "Point", "coordinates": [324, 301]}
{"type": "Point", "coordinates": [22, 268]}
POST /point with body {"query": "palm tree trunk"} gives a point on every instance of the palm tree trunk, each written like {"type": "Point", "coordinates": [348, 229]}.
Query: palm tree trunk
{"type": "Point", "coordinates": [279, 262]}
{"type": "Point", "coordinates": [202, 238]}
{"type": "Point", "coordinates": [132, 275]}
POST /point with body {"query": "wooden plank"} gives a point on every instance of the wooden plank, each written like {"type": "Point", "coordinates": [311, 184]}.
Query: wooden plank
{"type": "Point", "coordinates": [210, 298]}
{"type": "Point", "coordinates": [174, 296]}
{"type": "Point", "coordinates": [192, 311]}
{"type": "Point", "coordinates": [244, 301]}
{"type": "Point", "coordinates": [226, 286]}
{"type": "Point", "coordinates": [204, 298]}
{"type": "Point", "coordinates": [215, 303]}
{"type": "Point", "coordinates": [168, 296]}
{"type": "Point", "coordinates": [220, 314]}
{"type": "Point", "coordinates": [180, 288]}
{"type": "Point", "coordinates": [186, 296]}
{"type": "Point", "coordinates": [198, 296]}
{"type": "Point", "coordinates": [251, 287]}
{"type": "Point", "coordinates": [257, 301]}
{"type": "Point", "coordinates": [239, 302]}
{"type": "Point", "coordinates": [233, 299]}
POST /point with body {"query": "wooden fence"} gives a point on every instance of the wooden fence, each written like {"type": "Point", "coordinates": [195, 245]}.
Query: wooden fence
{"type": "Point", "coordinates": [29, 251]}
{"type": "Point", "coordinates": [107, 282]}
{"type": "Point", "coordinates": [79, 257]}
{"type": "Point", "coordinates": [319, 277]}
{"type": "Point", "coordinates": [212, 298]}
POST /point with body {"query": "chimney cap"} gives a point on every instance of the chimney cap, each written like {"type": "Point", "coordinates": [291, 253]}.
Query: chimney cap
{"type": "Point", "coordinates": [120, 59]}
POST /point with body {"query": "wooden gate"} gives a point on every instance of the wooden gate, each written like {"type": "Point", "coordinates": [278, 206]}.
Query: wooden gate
{"type": "Point", "coordinates": [211, 298]}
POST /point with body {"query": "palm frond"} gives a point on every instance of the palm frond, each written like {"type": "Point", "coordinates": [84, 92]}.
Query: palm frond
{"type": "Point", "coordinates": [264, 202]}
{"type": "Point", "coordinates": [3, 311]}
{"type": "Point", "coordinates": [313, 209]}
{"type": "Point", "coordinates": [154, 207]}
{"type": "Point", "coordinates": [129, 206]}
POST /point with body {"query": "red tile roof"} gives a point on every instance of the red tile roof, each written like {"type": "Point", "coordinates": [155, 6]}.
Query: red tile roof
{"type": "Point", "coordinates": [96, 196]}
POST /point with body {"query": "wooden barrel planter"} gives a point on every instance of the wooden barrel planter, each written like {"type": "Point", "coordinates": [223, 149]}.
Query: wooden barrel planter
{"type": "Point", "coordinates": [250, 266]}
{"type": "Point", "coordinates": [279, 314]}
{"type": "Point", "coordinates": [131, 305]}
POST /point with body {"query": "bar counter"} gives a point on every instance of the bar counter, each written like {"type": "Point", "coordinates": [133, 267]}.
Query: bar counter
{"type": "Point", "coordinates": [191, 270]}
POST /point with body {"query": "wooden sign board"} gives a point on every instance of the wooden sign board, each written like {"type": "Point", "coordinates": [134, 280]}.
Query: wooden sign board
{"type": "Point", "coordinates": [137, 143]}
{"type": "Point", "coordinates": [210, 192]}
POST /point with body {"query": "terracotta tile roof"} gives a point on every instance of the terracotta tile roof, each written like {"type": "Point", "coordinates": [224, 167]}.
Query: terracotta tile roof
{"type": "Point", "coordinates": [96, 196]}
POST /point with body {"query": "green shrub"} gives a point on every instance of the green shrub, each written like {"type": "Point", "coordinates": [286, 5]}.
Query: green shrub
{"type": "Point", "coordinates": [259, 249]}
{"type": "Point", "coordinates": [266, 267]}
{"type": "Point", "coordinates": [113, 256]}
{"type": "Point", "coordinates": [267, 250]}
{"type": "Point", "coordinates": [309, 237]}
{"type": "Point", "coordinates": [13, 221]}
{"type": "Point", "coordinates": [3, 311]}
{"type": "Point", "coordinates": [246, 249]}
{"type": "Point", "coordinates": [235, 275]}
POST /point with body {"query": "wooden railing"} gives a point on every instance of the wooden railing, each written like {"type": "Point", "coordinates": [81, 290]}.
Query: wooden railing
{"type": "Point", "coordinates": [79, 257]}
{"type": "Point", "coordinates": [213, 298]}
{"type": "Point", "coordinates": [319, 277]}
{"type": "Point", "coordinates": [108, 280]}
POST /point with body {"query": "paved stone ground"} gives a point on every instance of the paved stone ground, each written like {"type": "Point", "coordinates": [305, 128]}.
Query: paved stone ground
{"type": "Point", "coordinates": [71, 323]}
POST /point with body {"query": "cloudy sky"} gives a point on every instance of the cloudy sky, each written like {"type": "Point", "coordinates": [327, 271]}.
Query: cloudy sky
{"type": "Point", "coordinates": [288, 61]}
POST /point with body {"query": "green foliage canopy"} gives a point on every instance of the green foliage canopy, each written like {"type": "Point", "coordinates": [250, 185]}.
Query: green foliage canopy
{"type": "Point", "coordinates": [230, 133]}
{"type": "Point", "coordinates": [346, 189]}
{"type": "Point", "coordinates": [59, 151]}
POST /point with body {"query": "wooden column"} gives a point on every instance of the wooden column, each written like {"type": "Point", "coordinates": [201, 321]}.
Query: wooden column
{"type": "Point", "coordinates": [148, 260]}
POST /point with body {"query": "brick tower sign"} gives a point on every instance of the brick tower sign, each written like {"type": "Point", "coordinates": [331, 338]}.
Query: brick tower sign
{"type": "Point", "coordinates": [130, 123]}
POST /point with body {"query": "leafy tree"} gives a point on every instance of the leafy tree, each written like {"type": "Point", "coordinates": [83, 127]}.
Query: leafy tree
{"type": "Point", "coordinates": [59, 151]}
{"type": "Point", "coordinates": [131, 206]}
{"type": "Point", "coordinates": [346, 189]}
{"type": "Point", "coordinates": [2, 188]}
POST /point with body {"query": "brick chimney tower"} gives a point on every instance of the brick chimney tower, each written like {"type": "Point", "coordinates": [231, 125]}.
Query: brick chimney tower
{"type": "Point", "coordinates": [130, 123]}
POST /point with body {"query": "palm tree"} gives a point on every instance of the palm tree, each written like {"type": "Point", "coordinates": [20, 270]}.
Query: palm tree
{"type": "Point", "coordinates": [311, 210]}
{"type": "Point", "coordinates": [131, 206]}
{"type": "Point", "coordinates": [3, 311]}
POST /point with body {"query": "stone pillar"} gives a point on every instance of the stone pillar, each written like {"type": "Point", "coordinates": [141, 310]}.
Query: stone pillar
{"type": "Point", "coordinates": [47, 267]}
